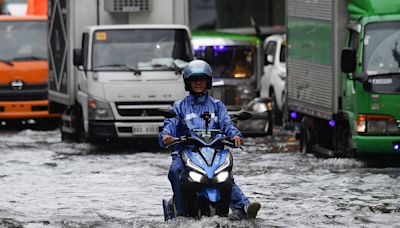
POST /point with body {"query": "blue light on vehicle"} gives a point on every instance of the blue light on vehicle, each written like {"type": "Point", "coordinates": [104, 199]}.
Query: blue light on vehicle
{"type": "Point", "coordinates": [332, 123]}
{"type": "Point", "coordinates": [199, 48]}
{"type": "Point", "coordinates": [219, 48]}
{"type": "Point", "coordinates": [293, 115]}
{"type": "Point", "coordinates": [396, 146]}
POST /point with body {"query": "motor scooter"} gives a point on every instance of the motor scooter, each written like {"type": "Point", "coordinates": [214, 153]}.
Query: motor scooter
{"type": "Point", "coordinates": [206, 182]}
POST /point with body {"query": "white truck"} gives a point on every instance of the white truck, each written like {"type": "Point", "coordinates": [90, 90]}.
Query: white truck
{"type": "Point", "coordinates": [108, 78]}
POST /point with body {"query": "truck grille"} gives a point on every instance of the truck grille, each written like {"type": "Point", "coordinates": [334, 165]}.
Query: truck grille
{"type": "Point", "coordinates": [139, 109]}
{"type": "Point", "coordinates": [28, 92]}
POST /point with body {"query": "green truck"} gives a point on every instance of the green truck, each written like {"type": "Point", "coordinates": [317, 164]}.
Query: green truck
{"type": "Point", "coordinates": [343, 75]}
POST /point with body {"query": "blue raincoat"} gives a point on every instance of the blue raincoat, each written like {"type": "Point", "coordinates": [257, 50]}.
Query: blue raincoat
{"type": "Point", "coordinates": [190, 109]}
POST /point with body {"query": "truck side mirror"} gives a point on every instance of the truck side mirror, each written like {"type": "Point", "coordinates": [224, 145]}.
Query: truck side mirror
{"type": "Point", "coordinates": [349, 60]}
{"type": "Point", "coordinates": [78, 57]}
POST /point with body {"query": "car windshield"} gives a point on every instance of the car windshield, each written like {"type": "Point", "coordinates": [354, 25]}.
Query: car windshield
{"type": "Point", "coordinates": [382, 48]}
{"type": "Point", "coordinates": [228, 61]}
{"type": "Point", "coordinates": [23, 40]}
{"type": "Point", "coordinates": [140, 49]}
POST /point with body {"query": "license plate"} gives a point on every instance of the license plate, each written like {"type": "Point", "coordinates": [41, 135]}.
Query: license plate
{"type": "Point", "coordinates": [144, 130]}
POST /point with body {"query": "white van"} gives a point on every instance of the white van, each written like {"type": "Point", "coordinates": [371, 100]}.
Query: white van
{"type": "Point", "coordinates": [273, 80]}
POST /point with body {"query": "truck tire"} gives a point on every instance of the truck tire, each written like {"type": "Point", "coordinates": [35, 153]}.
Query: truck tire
{"type": "Point", "coordinates": [305, 137]}
{"type": "Point", "coordinates": [270, 124]}
{"type": "Point", "coordinates": [344, 142]}
{"type": "Point", "coordinates": [81, 135]}
{"type": "Point", "coordinates": [277, 114]}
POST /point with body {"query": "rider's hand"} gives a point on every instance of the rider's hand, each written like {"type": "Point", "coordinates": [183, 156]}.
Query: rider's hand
{"type": "Point", "coordinates": [238, 141]}
{"type": "Point", "coordinates": [167, 139]}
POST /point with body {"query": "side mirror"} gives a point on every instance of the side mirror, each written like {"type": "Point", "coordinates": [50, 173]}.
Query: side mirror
{"type": "Point", "coordinates": [243, 115]}
{"type": "Point", "coordinates": [167, 113]}
{"type": "Point", "coordinates": [78, 57]}
{"type": "Point", "coordinates": [349, 60]}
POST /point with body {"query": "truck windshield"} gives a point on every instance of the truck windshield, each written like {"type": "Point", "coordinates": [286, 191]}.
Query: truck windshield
{"type": "Point", "coordinates": [228, 61]}
{"type": "Point", "coordinates": [382, 48]}
{"type": "Point", "coordinates": [140, 49]}
{"type": "Point", "coordinates": [23, 40]}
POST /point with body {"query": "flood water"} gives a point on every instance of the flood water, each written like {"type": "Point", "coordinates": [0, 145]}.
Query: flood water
{"type": "Point", "coordinates": [47, 183]}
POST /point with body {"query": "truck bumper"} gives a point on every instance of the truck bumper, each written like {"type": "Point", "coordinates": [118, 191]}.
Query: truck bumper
{"type": "Point", "coordinates": [24, 110]}
{"type": "Point", "coordinates": [377, 144]}
{"type": "Point", "coordinates": [114, 130]}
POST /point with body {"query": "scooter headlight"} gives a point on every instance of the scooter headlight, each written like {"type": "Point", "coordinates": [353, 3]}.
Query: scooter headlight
{"type": "Point", "coordinates": [191, 165]}
{"type": "Point", "coordinates": [222, 177]}
{"type": "Point", "coordinates": [195, 177]}
{"type": "Point", "coordinates": [227, 163]}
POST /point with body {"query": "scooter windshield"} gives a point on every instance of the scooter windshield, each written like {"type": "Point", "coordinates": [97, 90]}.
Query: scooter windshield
{"type": "Point", "coordinates": [208, 137]}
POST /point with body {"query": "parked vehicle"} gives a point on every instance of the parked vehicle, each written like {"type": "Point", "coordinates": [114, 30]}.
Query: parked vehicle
{"type": "Point", "coordinates": [273, 80]}
{"type": "Point", "coordinates": [356, 111]}
{"type": "Point", "coordinates": [121, 74]}
{"type": "Point", "coordinates": [206, 182]}
{"type": "Point", "coordinates": [13, 7]}
{"type": "Point", "coordinates": [23, 69]}
{"type": "Point", "coordinates": [236, 61]}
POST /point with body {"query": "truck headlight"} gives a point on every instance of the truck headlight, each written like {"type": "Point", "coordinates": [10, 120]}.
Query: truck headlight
{"type": "Point", "coordinates": [377, 124]}
{"type": "Point", "coordinates": [99, 110]}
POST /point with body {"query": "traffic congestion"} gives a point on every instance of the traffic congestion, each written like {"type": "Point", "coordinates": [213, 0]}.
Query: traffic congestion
{"type": "Point", "coordinates": [199, 113]}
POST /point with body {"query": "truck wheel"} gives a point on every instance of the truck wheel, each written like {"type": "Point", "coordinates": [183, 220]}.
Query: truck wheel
{"type": "Point", "coordinates": [82, 136]}
{"type": "Point", "coordinates": [66, 137]}
{"type": "Point", "coordinates": [344, 142]}
{"type": "Point", "coordinates": [269, 126]}
{"type": "Point", "coordinates": [277, 116]}
{"type": "Point", "coordinates": [305, 138]}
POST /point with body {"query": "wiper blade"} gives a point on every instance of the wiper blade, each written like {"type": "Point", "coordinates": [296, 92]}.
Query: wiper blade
{"type": "Point", "coordinates": [21, 58]}
{"type": "Point", "coordinates": [8, 62]}
{"type": "Point", "coordinates": [136, 71]}
{"type": "Point", "coordinates": [384, 74]}
{"type": "Point", "coordinates": [171, 65]}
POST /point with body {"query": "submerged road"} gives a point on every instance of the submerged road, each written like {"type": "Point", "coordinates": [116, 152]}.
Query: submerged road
{"type": "Point", "coordinates": [47, 183]}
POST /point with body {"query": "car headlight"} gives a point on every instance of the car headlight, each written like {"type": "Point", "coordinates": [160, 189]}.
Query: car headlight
{"type": "Point", "coordinates": [377, 124]}
{"type": "Point", "coordinates": [222, 177]}
{"type": "Point", "coordinates": [99, 110]}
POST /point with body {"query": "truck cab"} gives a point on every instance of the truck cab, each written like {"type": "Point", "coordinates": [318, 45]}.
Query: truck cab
{"type": "Point", "coordinates": [23, 69]}
{"type": "Point", "coordinates": [370, 87]}
{"type": "Point", "coordinates": [125, 73]}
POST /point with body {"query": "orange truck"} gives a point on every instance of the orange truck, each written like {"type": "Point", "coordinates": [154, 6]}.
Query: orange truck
{"type": "Point", "coordinates": [24, 71]}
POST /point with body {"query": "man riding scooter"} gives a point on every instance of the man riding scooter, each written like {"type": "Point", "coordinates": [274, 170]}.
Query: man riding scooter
{"type": "Point", "coordinates": [198, 79]}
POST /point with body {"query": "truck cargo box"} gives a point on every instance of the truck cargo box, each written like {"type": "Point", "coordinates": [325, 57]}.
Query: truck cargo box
{"type": "Point", "coordinates": [315, 37]}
